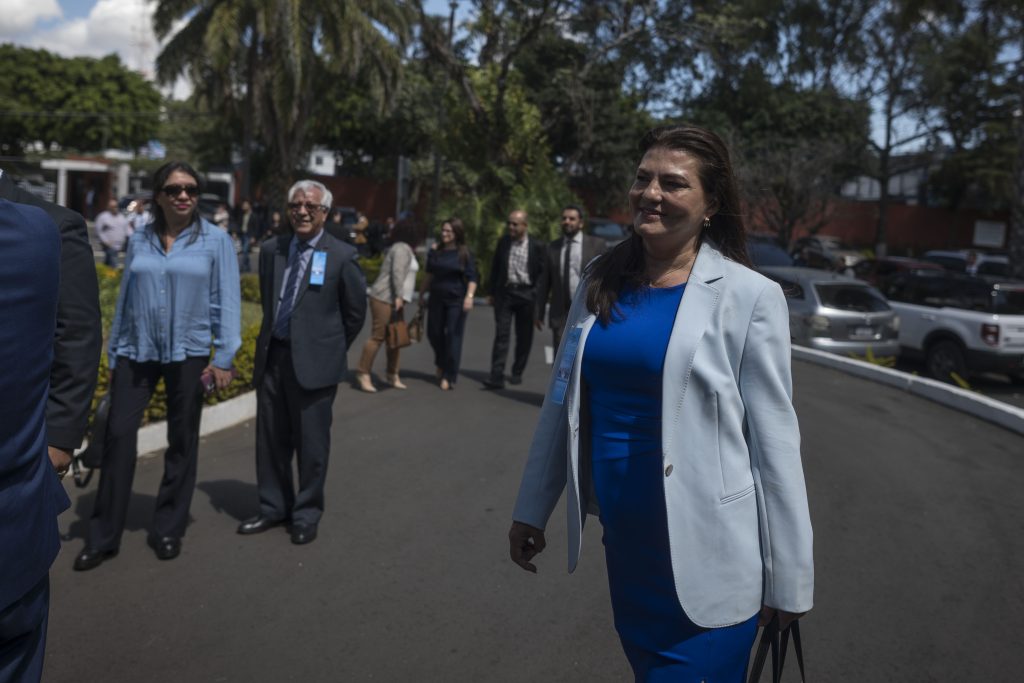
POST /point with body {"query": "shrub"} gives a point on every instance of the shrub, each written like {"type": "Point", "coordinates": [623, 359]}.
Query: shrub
{"type": "Point", "coordinates": [251, 288]}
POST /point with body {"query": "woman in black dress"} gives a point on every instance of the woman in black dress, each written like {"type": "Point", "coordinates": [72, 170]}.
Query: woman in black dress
{"type": "Point", "coordinates": [451, 280]}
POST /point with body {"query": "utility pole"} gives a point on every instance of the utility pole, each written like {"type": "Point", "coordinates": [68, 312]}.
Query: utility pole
{"type": "Point", "coordinates": [435, 195]}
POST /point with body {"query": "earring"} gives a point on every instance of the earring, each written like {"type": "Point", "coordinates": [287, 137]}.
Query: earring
{"type": "Point", "coordinates": [707, 222]}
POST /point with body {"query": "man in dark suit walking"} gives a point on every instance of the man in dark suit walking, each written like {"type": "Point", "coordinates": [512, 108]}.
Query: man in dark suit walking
{"type": "Point", "coordinates": [77, 342]}
{"type": "Point", "coordinates": [517, 268]}
{"type": "Point", "coordinates": [565, 259]}
{"type": "Point", "coordinates": [31, 495]}
{"type": "Point", "coordinates": [314, 303]}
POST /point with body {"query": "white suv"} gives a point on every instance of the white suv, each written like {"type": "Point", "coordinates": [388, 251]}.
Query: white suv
{"type": "Point", "coordinates": [958, 323]}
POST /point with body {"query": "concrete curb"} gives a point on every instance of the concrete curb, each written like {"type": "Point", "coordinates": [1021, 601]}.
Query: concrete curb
{"type": "Point", "coordinates": [983, 407]}
{"type": "Point", "coordinates": [153, 437]}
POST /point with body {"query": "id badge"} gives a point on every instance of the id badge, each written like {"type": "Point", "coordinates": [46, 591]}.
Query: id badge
{"type": "Point", "coordinates": [565, 365]}
{"type": "Point", "coordinates": [317, 268]}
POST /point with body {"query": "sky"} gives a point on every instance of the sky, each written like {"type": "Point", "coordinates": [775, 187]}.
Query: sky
{"type": "Point", "coordinates": [95, 28]}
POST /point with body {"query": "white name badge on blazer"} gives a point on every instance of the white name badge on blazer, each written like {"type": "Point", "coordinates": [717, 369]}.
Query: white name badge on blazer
{"type": "Point", "coordinates": [565, 365]}
{"type": "Point", "coordinates": [318, 268]}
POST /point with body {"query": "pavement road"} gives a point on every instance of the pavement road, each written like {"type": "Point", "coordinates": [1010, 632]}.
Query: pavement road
{"type": "Point", "coordinates": [917, 511]}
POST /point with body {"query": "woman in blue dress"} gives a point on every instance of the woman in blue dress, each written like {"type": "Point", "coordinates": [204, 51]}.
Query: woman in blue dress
{"type": "Point", "coordinates": [670, 416]}
{"type": "Point", "coordinates": [180, 297]}
{"type": "Point", "coordinates": [451, 280]}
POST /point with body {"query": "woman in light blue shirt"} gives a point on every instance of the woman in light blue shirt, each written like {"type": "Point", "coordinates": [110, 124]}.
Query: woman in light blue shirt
{"type": "Point", "coordinates": [179, 298]}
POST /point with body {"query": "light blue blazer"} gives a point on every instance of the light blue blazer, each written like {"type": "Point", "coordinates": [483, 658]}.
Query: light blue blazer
{"type": "Point", "coordinates": [738, 522]}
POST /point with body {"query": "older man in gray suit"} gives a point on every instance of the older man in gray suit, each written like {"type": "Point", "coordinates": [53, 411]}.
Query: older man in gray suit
{"type": "Point", "coordinates": [314, 303]}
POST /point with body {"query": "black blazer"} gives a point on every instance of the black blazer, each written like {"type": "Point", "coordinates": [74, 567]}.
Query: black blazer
{"type": "Point", "coordinates": [79, 337]}
{"type": "Point", "coordinates": [499, 265]}
{"type": "Point", "coordinates": [551, 284]}
{"type": "Point", "coordinates": [326, 318]}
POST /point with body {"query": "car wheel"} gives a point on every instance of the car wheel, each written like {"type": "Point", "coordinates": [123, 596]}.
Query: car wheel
{"type": "Point", "coordinates": [945, 359]}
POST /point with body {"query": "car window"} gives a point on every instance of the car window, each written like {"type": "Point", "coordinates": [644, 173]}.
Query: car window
{"type": "Point", "coordinates": [973, 296]}
{"type": "Point", "coordinates": [847, 297]}
{"type": "Point", "coordinates": [1009, 301]}
{"type": "Point", "coordinates": [994, 268]}
{"type": "Point", "coordinates": [791, 289]}
{"type": "Point", "coordinates": [955, 263]}
{"type": "Point", "coordinates": [607, 230]}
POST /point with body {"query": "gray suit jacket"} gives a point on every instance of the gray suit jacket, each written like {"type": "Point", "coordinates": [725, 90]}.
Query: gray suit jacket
{"type": "Point", "coordinates": [551, 285]}
{"type": "Point", "coordinates": [738, 521]}
{"type": "Point", "coordinates": [326, 318]}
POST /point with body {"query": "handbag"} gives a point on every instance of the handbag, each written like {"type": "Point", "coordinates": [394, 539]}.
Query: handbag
{"type": "Point", "coordinates": [416, 326]}
{"type": "Point", "coordinates": [777, 641]}
{"type": "Point", "coordinates": [84, 463]}
{"type": "Point", "coordinates": [397, 333]}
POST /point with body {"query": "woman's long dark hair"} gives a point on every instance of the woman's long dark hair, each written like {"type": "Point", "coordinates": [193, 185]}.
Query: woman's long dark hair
{"type": "Point", "coordinates": [406, 230]}
{"type": "Point", "coordinates": [624, 265]}
{"type": "Point", "coordinates": [159, 224]}
{"type": "Point", "coordinates": [459, 230]}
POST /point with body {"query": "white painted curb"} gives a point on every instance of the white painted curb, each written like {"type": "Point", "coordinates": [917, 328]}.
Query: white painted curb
{"type": "Point", "coordinates": [153, 437]}
{"type": "Point", "coordinates": [983, 407]}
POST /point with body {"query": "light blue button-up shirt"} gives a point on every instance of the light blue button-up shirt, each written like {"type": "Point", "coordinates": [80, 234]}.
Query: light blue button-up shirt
{"type": "Point", "coordinates": [178, 304]}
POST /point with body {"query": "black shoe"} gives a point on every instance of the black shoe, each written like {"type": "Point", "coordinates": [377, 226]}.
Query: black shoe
{"type": "Point", "coordinates": [257, 525]}
{"type": "Point", "coordinates": [90, 558]}
{"type": "Point", "coordinates": [166, 547]}
{"type": "Point", "coordinates": [494, 383]}
{"type": "Point", "coordinates": [303, 533]}
{"type": "Point", "coordinates": [515, 379]}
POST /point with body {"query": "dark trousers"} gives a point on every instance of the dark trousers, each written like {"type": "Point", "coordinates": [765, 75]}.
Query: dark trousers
{"type": "Point", "coordinates": [517, 305]}
{"type": "Point", "coordinates": [131, 388]}
{"type": "Point", "coordinates": [446, 323]}
{"type": "Point", "coordinates": [290, 419]}
{"type": "Point", "coordinates": [23, 635]}
{"type": "Point", "coordinates": [110, 256]}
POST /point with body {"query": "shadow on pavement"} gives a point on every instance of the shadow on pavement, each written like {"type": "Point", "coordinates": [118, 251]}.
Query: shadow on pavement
{"type": "Point", "coordinates": [139, 518]}
{"type": "Point", "coordinates": [528, 397]}
{"type": "Point", "coordinates": [237, 499]}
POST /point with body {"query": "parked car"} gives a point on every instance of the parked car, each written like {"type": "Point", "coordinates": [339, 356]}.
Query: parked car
{"type": "Point", "coordinates": [611, 232]}
{"type": "Point", "coordinates": [824, 251]}
{"type": "Point", "coordinates": [971, 262]}
{"type": "Point", "coordinates": [765, 250]}
{"type": "Point", "coordinates": [959, 323]}
{"type": "Point", "coordinates": [836, 313]}
{"type": "Point", "coordinates": [876, 271]}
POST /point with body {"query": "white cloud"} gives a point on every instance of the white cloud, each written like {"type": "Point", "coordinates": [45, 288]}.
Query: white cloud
{"type": "Point", "coordinates": [20, 16]}
{"type": "Point", "coordinates": [124, 27]}
{"type": "Point", "coordinates": [121, 26]}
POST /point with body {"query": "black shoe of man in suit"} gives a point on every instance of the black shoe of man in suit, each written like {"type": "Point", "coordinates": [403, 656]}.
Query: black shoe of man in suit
{"type": "Point", "coordinates": [166, 547]}
{"type": "Point", "coordinates": [90, 558]}
{"type": "Point", "coordinates": [303, 533]}
{"type": "Point", "coordinates": [257, 525]}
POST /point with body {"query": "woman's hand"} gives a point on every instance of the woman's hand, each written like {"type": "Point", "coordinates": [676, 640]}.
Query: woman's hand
{"type": "Point", "coordinates": [524, 542]}
{"type": "Point", "coordinates": [399, 303]}
{"type": "Point", "coordinates": [221, 378]}
{"type": "Point", "coordinates": [785, 618]}
{"type": "Point", "coordinates": [467, 303]}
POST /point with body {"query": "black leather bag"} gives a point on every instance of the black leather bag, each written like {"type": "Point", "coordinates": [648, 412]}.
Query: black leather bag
{"type": "Point", "coordinates": [83, 464]}
{"type": "Point", "coordinates": [776, 640]}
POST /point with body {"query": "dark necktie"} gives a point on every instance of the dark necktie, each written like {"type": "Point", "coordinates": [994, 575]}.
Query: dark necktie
{"type": "Point", "coordinates": [566, 268]}
{"type": "Point", "coordinates": [282, 325]}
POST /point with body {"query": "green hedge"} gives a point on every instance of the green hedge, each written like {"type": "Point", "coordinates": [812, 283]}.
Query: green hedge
{"type": "Point", "coordinates": [110, 283]}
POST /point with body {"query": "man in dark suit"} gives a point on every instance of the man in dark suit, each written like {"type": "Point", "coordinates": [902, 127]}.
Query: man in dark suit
{"type": "Point", "coordinates": [565, 260]}
{"type": "Point", "coordinates": [31, 495]}
{"type": "Point", "coordinates": [517, 268]}
{"type": "Point", "coordinates": [76, 345]}
{"type": "Point", "coordinates": [314, 303]}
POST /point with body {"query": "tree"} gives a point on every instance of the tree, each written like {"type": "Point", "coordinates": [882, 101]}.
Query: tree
{"type": "Point", "coordinates": [75, 103]}
{"type": "Point", "coordinates": [264, 62]}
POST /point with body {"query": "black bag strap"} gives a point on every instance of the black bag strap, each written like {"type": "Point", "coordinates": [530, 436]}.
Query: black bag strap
{"type": "Point", "coordinates": [777, 641]}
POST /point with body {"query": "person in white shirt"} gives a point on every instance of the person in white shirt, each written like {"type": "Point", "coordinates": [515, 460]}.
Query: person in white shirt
{"type": "Point", "coordinates": [113, 231]}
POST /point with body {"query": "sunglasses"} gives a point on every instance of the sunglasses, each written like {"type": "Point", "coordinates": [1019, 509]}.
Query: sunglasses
{"type": "Point", "coordinates": [174, 190]}
{"type": "Point", "coordinates": [310, 207]}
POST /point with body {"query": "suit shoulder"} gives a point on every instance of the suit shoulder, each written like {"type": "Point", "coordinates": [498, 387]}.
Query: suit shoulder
{"type": "Point", "coordinates": [747, 280]}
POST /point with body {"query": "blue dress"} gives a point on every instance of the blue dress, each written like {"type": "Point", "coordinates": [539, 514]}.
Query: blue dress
{"type": "Point", "coordinates": [622, 368]}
